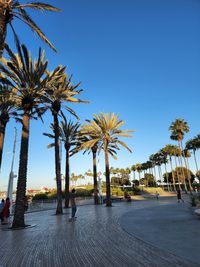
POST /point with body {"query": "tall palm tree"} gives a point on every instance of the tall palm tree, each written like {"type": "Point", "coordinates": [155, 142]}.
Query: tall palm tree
{"type": "Point", "coordinates": [176, 154]}
{"type": "Point", "coordinates": [7, 110]}
{"type": "Point", "coordinates": [106, 128]}
{"type": "Point", "coordinates": [187, 155]}
{"type": "Point", "coordinates": [192, 144]}
{"type": "Point", "coordinates": [89, 143]}
{"type": "Point", "coordinates": [178, 129]}
{"type": "Point", "coordinates": [168, 150]}
{"type": "Point", "coordinates": [138, 167]}
{"type": "Point", "coordinates": [59, 91]}
{"type": "Point", "coordinates": [133, 168]}
{"type": "Point", "coordinates": [29, 79]}
{"type": "Point", "coordinates": [164, 161]}
{"type": "Point", "coordinates": [10, 9]}
{"type": "Point", "coordinates": [68, 134]}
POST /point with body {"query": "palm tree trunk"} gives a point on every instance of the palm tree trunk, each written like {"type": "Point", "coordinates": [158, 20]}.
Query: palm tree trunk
{"type": "Point", "coordinates": [139, 176]}
{"type": "Point", "coordinates": [18, 220]}
{"type": "Point", "coordinates": [187, 170]}
{"type": "Point", "coordinates": [2, 135]}
{"type": "Point", "coordinates": [195, 159]}
{"type": "Point", "coordinates": [177, 174]}
{"type": "Point", "coordinates": [108, 195]}
{"type": "Point", "coordinates": [3, 26]}
{"type": "Point", "coordinates": [57, 165]}
{"type": "Point", "coordinates": [161, 176]}
{"type": "Point", "coordinates": [181, 148]}
{"type": "Point", "coordinates": [174, 185]}
{"type": "Point", "coordinates": [167, 177]}
{"type": "Point", "coordinates": [155, 174]}
{"type": "Point", "coordinates": [94, 153]}
{"type": "Point", "coordinates": [67, 179]}
{"type": "Point", "coordinates": [189, 174]}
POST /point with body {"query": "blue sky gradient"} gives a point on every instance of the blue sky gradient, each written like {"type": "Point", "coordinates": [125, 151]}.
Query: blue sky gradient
{"type": "Point", "coordinates": [137, 58]}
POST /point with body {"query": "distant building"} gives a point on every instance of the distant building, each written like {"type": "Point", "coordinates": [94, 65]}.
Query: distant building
{"type": "Point", "coordinates": [44, 189]}
{"type": "Point", "coordinates": [32, 192]}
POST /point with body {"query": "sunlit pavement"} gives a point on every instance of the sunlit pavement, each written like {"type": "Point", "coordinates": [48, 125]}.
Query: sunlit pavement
{"type": "Point", "coordinates": [117, 236]}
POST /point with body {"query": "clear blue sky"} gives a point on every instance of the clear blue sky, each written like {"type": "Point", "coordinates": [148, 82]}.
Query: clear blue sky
{"type": "Point", "coordinates": [138, 58]}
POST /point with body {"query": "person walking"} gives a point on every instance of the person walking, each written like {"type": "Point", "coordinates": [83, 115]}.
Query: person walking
{"type": "Point", "coordinates": [179, 197]}
{"type": "Point", "coordinates": [6, 211]}
{"type": "Point", "coordinates": [73, 204]}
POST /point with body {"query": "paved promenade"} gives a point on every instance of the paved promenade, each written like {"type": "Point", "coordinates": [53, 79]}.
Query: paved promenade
{"type": "Point", "coordinates": [97, 238]}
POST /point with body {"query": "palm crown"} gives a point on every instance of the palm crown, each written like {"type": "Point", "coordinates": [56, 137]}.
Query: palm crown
{"type": "Point", "coordinates": [178, 128]}
{"type": "Point", "coordinates": [13, 9]}
{"type": "Point", "coordinates": [27, 77]}
{"type": "Point", "coordinates": [60, 90]}
{"type": "Point", "coordinates": [105, 130]}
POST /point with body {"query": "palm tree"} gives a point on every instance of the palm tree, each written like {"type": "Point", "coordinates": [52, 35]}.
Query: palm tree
{"type": "Point", "coordinates": [10, 9]}
{"type": "Point", "coordinates": [168, 150]}
{"type": "Point", "coordinates": [59, 91]}
{"type": "Point", "coordinates": [68, 134]}
{"type": "Point", "coordinates": [7, 110]}
{"type": "Point", "coordinates": [176, 154]}
{"type": "Point", "coordinates": [138, 167]}
{"type": "Point", "coordinates": [192, 144]}
{"type": "Point", "coordinates": [105, 128]}
{"type": "Point", "coordinates": [88, 142]}
{"type": "Point", "coordinates": [29, 79]}
{"type": "Point", "coordinates": [178, 129]}
{"type": "Point", "coordinates": [164, 160]}
{"type": "Point", "coordinates": [187, 155]}
{"type": "Point", "coordinates": [133, 168]}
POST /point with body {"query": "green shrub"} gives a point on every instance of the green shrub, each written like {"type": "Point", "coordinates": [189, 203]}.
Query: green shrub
{"type": "Point", "coordinates": [80, 192]}
{"type": "Point", "coordinates": [40, 196]}
{"type": "Point", "coordinates": [135, 191]}
{"type": "Point", "coordinates": [116, 191]}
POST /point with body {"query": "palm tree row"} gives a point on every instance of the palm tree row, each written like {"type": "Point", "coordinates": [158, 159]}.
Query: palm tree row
{"type": "Point", "coordinates": [180, 155]}
{"type": "Point", "coordinates": [33, 90]}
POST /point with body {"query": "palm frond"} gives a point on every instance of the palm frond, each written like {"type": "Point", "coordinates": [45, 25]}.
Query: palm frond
{"type": "Point", "coordinates": [37, 6]}
{"type": "Point", "coordinates": [22, 15]}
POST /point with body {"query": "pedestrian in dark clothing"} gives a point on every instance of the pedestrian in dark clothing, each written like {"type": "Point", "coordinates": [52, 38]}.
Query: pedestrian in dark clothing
{"type": "Point", "coordinates": [73, 205]}
{"type": "Point", "coordinates": [179, 197]}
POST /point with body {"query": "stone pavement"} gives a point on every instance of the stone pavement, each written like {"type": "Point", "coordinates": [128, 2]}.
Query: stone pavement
{"type": "Point", "coordinates": [97, 238]}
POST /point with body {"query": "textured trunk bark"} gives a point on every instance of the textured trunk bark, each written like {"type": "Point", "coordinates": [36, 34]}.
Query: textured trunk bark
{"type": "Point", "coordinates": [94, 153]}
{"type": "Point", "coordinates": [18, 220]}
{"type": "Point", "coordinates": [108, 195]}
{"type": "Point", "coordinates": [2, 135]}
{"type": "Point", "coordinates": [67, 179]}
{"type": "Point", "coordinates": [3, 26]}
{"type": "Point", "coordinates": [57, 165]}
